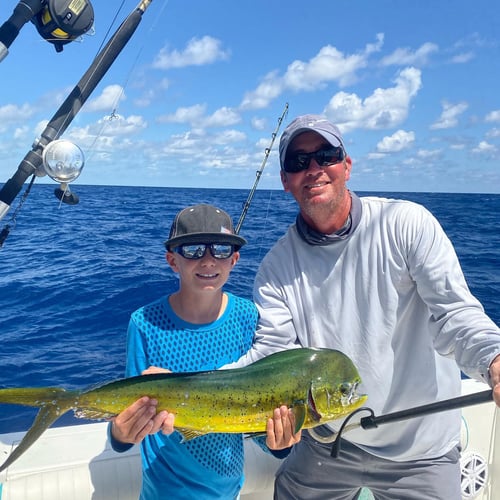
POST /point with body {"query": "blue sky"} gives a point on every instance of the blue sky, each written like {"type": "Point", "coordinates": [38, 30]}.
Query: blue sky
{"type": "Point", "coordinates": [195, 96]}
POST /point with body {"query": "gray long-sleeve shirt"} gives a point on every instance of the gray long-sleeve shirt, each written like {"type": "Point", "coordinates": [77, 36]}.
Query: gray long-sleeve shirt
{"type": "Point", "coordinates": [392, 296]}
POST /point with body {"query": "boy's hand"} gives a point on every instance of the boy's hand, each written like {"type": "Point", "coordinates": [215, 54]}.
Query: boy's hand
{"type": "Point", "coordinates": [134, 423]}
{"type": "Point", "coordinates": [281, 430]}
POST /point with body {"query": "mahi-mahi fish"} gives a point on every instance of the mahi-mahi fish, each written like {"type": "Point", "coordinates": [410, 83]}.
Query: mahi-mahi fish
{"type": "Point", "coordinates": [319, 385]}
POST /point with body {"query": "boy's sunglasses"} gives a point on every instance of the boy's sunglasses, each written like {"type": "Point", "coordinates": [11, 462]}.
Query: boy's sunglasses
{"type": "Point", "coordinates": [296, 162]}
{"type": "Point", "coordinates": [198, 250]}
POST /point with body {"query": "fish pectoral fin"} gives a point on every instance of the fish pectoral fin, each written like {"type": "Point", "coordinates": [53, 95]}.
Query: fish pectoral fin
{"type": "Point", "coordinates": [299, 411]}
{"type": "Point", "coordinates": [188, 434]}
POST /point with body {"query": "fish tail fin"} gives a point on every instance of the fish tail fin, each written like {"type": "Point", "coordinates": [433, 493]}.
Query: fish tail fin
{"type": "Point", "coordinates": [53, 403]}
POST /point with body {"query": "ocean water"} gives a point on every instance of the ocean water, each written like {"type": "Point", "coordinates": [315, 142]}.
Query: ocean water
{"type": "Point", "coordinates": [71, 275]}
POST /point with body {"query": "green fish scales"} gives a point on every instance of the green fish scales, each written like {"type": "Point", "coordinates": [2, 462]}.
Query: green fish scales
{"type": "Point", "coordinates": [319, 385]}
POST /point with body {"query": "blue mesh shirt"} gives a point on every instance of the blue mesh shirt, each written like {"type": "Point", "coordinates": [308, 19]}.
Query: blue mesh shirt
{"type": "Point", "coordinates": [210, 466]}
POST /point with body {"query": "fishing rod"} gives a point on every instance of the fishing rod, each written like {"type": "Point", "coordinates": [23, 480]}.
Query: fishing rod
{"type": "Point", "coordinates": [371, 421]}
{"type": "Point", "coordinates": [259, 172]}
{"type": "Point", "coordinates": [33, 161]}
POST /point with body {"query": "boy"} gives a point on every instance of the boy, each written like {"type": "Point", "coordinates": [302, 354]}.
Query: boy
{"type": "Point", "coordinates": [198, 327]}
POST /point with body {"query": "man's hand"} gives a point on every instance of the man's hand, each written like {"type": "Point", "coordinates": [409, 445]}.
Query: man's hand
{"type": "Point", "coordinates": [495, 379]}
{"type": "Point", "coordinates": [154, 369]}
{"type": "Point", "coordinates": [281, 429]}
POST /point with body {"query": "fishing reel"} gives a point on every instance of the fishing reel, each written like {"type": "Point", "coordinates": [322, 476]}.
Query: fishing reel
{"type": "Point", "coordinates": [62, 21]}
{"type": "Point", "coordinates": [63, 162]}
{"type": "Point", "coordinates": [58, 21]}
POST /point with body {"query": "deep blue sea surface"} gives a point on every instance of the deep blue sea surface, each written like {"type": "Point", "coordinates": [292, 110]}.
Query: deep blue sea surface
{"type": "Point", "coordinates": [71, 275]}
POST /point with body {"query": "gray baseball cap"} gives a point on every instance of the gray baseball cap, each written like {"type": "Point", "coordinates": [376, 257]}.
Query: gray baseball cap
{"type": "Point", "coordinates": [309, 123]}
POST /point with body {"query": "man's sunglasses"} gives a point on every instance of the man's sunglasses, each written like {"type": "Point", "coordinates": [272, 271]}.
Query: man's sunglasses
{"type": "Point", "coordinates": [198, 250]}
{"type": "Point", "coordinates": [296, 162]}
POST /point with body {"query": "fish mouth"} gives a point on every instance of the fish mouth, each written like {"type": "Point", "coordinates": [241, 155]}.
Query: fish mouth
{"type": "Point", "coordinates": [351, 396]}
{"type": "Point", "coordinates": [312, 406]}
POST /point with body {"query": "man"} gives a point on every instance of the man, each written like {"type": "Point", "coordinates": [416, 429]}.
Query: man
{"type": "Point", "coordinates": [379, 280]}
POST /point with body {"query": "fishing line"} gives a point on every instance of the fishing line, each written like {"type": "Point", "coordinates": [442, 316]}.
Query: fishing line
{"type": "Point", "coordinates": [113, 114]}
{"type": "Point", "coordinates": [258, 174]}
{"type": "Point", "coordinates": [111, 24]}
{"type": "Point", "coordinates": [336, 444]}
{"type": "Point", "coordinates": [372, 422]}
{"type": "Point", "coordinates": [13, 219]}
{"type": "Point", "coordinates": [262, 234]}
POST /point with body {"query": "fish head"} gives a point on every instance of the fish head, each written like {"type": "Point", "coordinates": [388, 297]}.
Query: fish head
{"type": "Point", "coordinates": [328, 402]}
{"type": "Point", "coordinates": [333, 392]}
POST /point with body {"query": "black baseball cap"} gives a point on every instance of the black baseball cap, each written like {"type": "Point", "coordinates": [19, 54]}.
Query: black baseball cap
{"type": "Point", "coordinates": [203, 223]}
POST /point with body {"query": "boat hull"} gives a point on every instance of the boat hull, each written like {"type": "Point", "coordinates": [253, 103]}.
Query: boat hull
{"type": "Point", "coordinates": [77, 462]}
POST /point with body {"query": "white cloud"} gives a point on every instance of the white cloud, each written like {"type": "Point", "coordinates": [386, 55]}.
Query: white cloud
{"type": "Point", "coordinates": [152, 92]}
{"type": "Point", "coordinates": [271, 87]}
{"type": "Point", "coordinates": [385, 108]}
{"type": "Point", "coordinates": [449, 115]}
{"type": "Point", "coordinates": [189, 114]}
{"type": "Point", "coordinates": [107, 101]}
{"type": "Point", "coordinates": [328, 65]}
{"type": "Point", "coordinates": [228, 137]}
{"type": "Point", "coordinates": [429, 154]}
{"type": "Point", "coordinates": [473, 40]}
{"type": "Point", "coordinates": [406, 57]}
{"type": "Point", "coordinates": [40, 127]}
{"type": "Point", "coordinates": [462, 58]}
{"type": "Point", "coordinates": [494, 132]}
{"type": "Point", "coordinates": [396, 142]}
{"type": "Point", "coordinates": [21, 132]}
{"type": "Point", "coordinates": [198, 52]}
{"type": "Point", "coordinates": [195, 116]}
{"type": "Point", "coordinates": [484, 147]}
{"type": "Point", "coordinates": [101, 136]}
{"type": "Point", "coordinates": [375, 156]}
{"type": "Point", "coordinates": [493, 116]}
{"type": "Point", "coordinates": [11, 113]}
{"type": "Point", "coordinates": [259, 123]}
{"type": "Point", "coordinates": [222, 117]}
